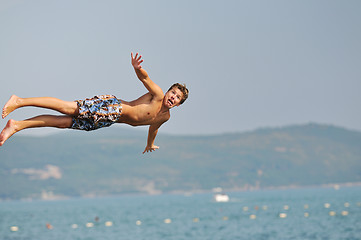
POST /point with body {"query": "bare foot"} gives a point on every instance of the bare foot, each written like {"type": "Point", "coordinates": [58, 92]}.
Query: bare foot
{"type": "Point", "coordinates": [8, 131]}
{"type": "Point", "coordinates": [10, 106]}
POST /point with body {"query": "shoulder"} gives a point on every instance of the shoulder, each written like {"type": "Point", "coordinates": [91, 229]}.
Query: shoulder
{"type": "Point", "coordinates": [163, 118]}
{"type": "Point", "coordinates": [158, 94]}
{"type": "Point", "coordinates": [160, 120]}
{"type": "Point", "coordinates": [154, 89]}
{"type": "Point", "coordinates": [156, 98]}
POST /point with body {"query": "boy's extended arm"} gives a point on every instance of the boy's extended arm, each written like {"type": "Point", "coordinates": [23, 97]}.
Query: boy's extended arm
{"type": "Point", "coordinates": [152, 133]}
{"type": "Point", "coordinates": [153, 88]}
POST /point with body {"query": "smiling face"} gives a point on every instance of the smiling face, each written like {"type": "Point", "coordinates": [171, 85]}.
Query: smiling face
{"type": "Point", "coordinates": [173, 97]}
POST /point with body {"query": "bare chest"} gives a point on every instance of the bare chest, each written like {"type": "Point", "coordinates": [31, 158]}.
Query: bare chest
{"type": "Point", "coordinates": [142, 112]}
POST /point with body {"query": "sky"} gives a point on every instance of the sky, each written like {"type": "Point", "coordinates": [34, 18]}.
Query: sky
{"type": "Point", "coordinates": [247, 64]}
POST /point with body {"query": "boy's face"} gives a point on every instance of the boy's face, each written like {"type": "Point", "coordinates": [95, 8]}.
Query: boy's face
{"type": "Point", "coordinates": [173, 97]}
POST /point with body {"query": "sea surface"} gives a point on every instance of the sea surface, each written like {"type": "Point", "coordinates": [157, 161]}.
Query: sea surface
{"type": "Point", "coordinates": [312, 213]}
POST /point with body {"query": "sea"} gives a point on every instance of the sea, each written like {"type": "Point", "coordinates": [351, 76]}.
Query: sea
{"type": "Point", "coordinates": [306, 213]}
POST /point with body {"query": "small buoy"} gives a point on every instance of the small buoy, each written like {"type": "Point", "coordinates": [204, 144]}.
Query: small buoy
{"type": "Point", "coordinates": [49, 226]}
{"type": "Point", "coordinates": [245, 209]}
{"type": "Point", "coordinates": [74, 226]}
{"type": "Point", "coordinates": [283, 215]}
{"type": "Point", "coordinates": [332, 213]}
{"type": "Point", "coordinates": [327, 205]}
{"type": "Point", "coordinates": [252, 216]}
{"type": "Point", "coordinates": [264, 207]}
{"type": "Point", "coordinates": [306, 214]}
{"type": "Point", "coordinates": [225, 218]}
{"type": "Point", "coordinates": [14, 228]}
{"type": "Point", "coordinates": [286, 207]}
{"type": "Point", "coordinates": [89, 225]}
{"type": "Point", "coordinates": [306, 206]}
{"type": "Point", "coordinates": [195, 219]}
{"type": "Point", "coordinates": [108, 223]}
{"type": "Point", "coordinates": [138, 222]}
{"type": "Point", "coordinates": [344, 213]}
{"type": "Point", "coordinates": [347, 204]}
{"type": "Point", "coordinates": [168, 220]}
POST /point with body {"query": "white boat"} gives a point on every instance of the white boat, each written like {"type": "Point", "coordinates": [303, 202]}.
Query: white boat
{"type": "Point", "coordinates": [221, 197]}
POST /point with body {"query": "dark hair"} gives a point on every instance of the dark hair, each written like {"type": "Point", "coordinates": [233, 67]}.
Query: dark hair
{"type": "Point", "coordinates": [183, 89]}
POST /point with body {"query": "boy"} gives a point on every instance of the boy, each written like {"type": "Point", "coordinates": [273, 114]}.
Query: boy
{"type": "Point", "coordinates": [102, 111]}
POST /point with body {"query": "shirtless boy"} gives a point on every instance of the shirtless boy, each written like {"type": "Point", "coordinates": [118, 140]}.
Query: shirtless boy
{"type": "Point", "coordinates": [102, 111]}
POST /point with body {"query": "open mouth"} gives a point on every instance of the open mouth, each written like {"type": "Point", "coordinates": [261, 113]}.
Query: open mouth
{"type": "Point", "coordinates": [170, 102]}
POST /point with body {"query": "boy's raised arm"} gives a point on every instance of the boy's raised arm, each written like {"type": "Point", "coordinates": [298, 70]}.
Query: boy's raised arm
{"type": "Point", "coordinates": [153, 88]}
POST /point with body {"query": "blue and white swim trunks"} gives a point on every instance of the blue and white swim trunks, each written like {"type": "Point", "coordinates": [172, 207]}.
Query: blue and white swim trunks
{"type": "Point", "coordinates": [97, 112]}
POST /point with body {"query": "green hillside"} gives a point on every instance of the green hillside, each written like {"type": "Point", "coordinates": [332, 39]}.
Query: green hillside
{"type": "Point", "coordinates": [110, 161]}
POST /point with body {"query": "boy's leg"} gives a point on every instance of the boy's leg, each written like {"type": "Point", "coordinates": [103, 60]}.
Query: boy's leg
{"type": "Point", "coordinates": [13, 126]}
{"type": "Point", "coordinates": [65, 107]}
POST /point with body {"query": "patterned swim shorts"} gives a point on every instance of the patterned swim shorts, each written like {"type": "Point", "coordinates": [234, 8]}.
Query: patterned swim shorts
{"type": "Point", "coordinates": [97, 112]}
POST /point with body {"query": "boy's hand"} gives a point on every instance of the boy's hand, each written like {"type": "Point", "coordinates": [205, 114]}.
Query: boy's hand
{"type": "Point", "coordinates": [150, 148]}
{"type": "Point", "coordinates": [136, 61]}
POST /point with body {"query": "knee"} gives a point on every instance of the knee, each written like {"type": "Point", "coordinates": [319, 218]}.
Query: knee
{"type": "Point", "coordinates": [71, 109]}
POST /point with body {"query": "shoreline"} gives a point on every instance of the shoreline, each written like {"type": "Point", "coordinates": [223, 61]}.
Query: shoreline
{"type": "Point", "coordinates": [54, 197]}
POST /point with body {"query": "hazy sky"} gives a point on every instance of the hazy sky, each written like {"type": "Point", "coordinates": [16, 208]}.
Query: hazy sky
{"type": "Point", "coordinates": [248, 64]}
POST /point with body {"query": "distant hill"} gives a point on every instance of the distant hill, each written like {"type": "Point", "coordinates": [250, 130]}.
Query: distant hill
{"type": "Point", "coordinates": [110, 161]}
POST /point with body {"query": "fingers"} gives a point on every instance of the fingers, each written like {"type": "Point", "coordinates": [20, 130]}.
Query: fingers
{"type": "Point", "coordinates": [136, 57]}
{"type": "Point", "coordinates": [150, 149]}
{"type": "Point", "coordinates": [147, 150]}
{"type": "Point", "coordinates": [136, 60]}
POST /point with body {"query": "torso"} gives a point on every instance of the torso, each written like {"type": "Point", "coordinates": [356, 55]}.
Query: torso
{"type": "Point", "coordinates": [143, 111]}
